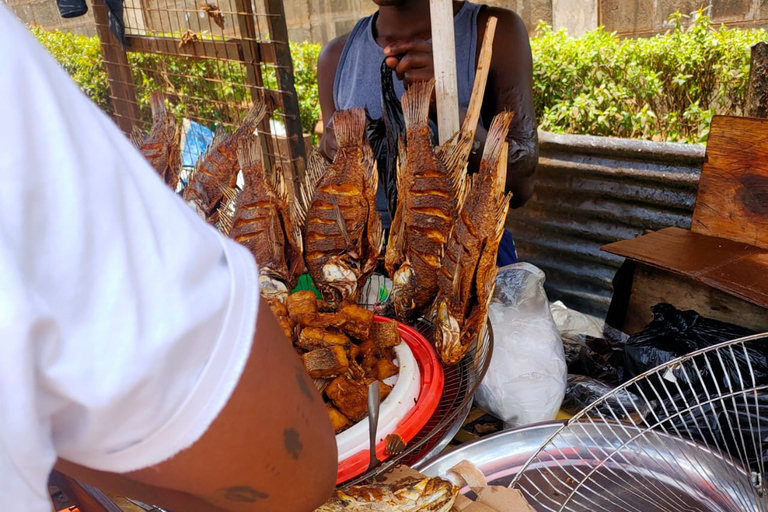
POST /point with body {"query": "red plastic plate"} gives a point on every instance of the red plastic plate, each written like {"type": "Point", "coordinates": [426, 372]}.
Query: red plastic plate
{"type": "Point", "coordinates": [432, 382]}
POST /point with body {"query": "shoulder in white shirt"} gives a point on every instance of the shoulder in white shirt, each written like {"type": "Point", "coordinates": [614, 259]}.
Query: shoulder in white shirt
{"type": "Point", "coordinates": [125, 321]}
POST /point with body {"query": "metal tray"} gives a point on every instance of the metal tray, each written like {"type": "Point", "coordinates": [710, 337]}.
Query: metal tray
{"type": "Point", "coordinates": [500, 456]}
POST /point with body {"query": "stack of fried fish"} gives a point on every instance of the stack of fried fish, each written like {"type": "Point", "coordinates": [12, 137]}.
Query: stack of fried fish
{"type": "Point", "coordinates": [445, 235]}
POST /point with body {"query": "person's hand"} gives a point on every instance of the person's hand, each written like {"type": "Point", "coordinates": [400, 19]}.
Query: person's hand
{"type": "Point", "coordinates": [328, 145]}
{"type": "Point", "coordinates": [411, 60]}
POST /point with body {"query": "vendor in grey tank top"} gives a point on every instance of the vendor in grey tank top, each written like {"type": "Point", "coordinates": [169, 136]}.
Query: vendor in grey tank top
{"type": "Point", "coordinates": [349, 76]}
{"type": "Point", "coordinates": [358, 81]}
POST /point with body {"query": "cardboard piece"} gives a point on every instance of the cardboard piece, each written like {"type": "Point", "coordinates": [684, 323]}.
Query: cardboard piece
{"type": "Point", "coordinates": [733, 267]}
{"type": "Point", "coordinates": [490, 498]}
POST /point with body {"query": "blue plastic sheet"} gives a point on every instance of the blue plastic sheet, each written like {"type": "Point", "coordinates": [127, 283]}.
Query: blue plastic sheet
{"type": "Point", "coordinates": [197, 140]}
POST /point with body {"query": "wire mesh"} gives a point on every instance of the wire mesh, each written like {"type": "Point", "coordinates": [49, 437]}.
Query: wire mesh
{"type": "Point", "coordinates": [211, 59]}
{"type": "Point", "coordinates": [687, 435]}
{"type": "Point", "coordinates": [461, 381]}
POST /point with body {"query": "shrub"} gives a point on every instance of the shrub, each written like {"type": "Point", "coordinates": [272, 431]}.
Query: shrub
{"type": "Point", "coordinates": [666, 87]}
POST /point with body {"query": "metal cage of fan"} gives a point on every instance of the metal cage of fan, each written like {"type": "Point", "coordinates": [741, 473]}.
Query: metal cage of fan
{"type": "Point", "coordinates": [685, 436]}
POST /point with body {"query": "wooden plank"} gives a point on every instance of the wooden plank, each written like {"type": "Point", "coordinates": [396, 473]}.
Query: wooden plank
{"type": "Point", "coordinates": [290, 103]}
{"type": "Point", "coordinates": [731, 267]}
{"type": "Point", "coordinates": [732, 201]}
{"type": "Point", "coordinates": [444, 58]}
{"type": "Point", "coordinates": [250, 47]}
{"type": "Point", "coordinates": [757, 92]}
{"type": "Point", "coordinates": [230, 49]}
{"type": "Point", "coordinates": [121, 86]}
{"type": "Point", "coordinates": [651, 286]}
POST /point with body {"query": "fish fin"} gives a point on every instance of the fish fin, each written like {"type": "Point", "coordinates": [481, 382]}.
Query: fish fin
{"type": "Point", "coordinates": [316, 170]}
{"type": "Point", "coordinates": [456, 283]}
{"type": "Point", "coordinates": [227, 210]}
{"type": "Point", "coordinates": [255, 114]}
{"type": "Point", "coordinates": [138, 137]}
{"type": "Point", "coordinates": [371, 169]}
{"type": "Point", "coordinates": [349, 126]}
{"type": "Point", "coordinates": [415, 103]}
{"type": "Point", "coordinates": [496, 148]}
{"type": "Point", "coordinates": [340, 222]}
{"type": "Point", "coordinates": [454, 155]}
{"type": "Point", "coordinates": [249, 152]}
{"type": "Point", "coordinates": [219, 136]}
{"type": "Point", "coordinates": [157, 104]}
{"type": "Point", "coordinates": [402, 155]}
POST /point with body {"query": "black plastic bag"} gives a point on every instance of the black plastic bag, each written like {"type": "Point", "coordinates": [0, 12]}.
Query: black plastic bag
{"type": "Point", "coordinates": [737, 425]}
{"type": "Point", "coordinates": [582, 391]}
{"type": "Point", "coordinates": [601, 358]}
{"type": "Point", "coordinates": [674, 333]}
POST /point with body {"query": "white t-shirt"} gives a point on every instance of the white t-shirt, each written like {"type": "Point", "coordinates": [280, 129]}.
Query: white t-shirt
{"type": "Point", "coordinates": [125, 321]}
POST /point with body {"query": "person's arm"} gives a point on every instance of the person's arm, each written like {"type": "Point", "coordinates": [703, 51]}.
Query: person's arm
{"type": "Point", "coordinates": [258, 454]}
{"type": "Point", "coordinates": [327, 63]}
{"type": "Point", "coordinates": [510, 87]}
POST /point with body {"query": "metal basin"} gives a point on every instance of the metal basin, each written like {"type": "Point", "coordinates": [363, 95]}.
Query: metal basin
{"type": "Point", "coordinates": [641, 479]}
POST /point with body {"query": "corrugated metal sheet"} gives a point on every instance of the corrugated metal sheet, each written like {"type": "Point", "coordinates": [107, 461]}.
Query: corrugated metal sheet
{"type": "Point", "coordinates": [591, 191]}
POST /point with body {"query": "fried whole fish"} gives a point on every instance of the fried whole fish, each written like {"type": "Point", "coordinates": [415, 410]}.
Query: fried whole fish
{"type": "Point", "coordinates": [342, 229]}
{"type": "Point", "coordinates": [468, 274]}
{"type": "Point", "coordinates": [217, 169]}
{"type": "Point", "coordinates": [431, 188]}
{"type": "Point", "coordinates": [162, 146]}
{"type": "Point", "coordinates": [408, 495]}
{"type": "Point", "coordinates": [267, 224]}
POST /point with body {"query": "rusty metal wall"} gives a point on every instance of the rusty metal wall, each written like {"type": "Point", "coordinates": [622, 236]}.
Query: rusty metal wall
{"type": "Point", "coordinates": [591, 191]}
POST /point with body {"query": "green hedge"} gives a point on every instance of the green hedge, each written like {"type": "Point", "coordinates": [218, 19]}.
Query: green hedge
{"type": "Point", "coordinates": [666, 87]}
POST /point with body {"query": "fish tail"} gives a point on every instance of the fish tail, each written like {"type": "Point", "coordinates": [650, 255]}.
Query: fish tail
{"type": "Point", "coordinates": [415, 103]}
{"type": "Point", "coordinates": [157, 103]}
{"type": "Point", "coordinates": [249, 153]}
{"type": "Point", "coordinates": [495, 142]}
{"type": "Point", "coordinates": [137, 137]}
{"type": "Point", "coordinates": [255, 114]}
{"type": "Point", "coordinates": [349, 126]}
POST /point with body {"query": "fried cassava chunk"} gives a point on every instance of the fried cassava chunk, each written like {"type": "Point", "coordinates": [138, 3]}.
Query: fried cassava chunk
{"type": "Point", "coordinates": [312, 338]}
{"type": "Point", "coordinates": [385, 334]}
{"type": "Point", "coordinates": [326, 362]}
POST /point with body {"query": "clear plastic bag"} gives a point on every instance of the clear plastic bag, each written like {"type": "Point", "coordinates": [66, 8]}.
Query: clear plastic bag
{"type": "Point", "coordinates": [525, 382]}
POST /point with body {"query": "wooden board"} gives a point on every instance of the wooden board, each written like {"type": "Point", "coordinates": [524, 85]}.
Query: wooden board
{"type": "Point", "coordinates": [651, 286]}
{"type": "Point", "coordinates": [731, 267]}
{"type": "Point", "coordinates": [732, 201]}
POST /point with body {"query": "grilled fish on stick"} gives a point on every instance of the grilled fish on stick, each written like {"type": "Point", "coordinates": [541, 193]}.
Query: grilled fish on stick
{"type": "Point", "coordinates": [466, 279]}
{"type": "Point", "coordinates": [342, 229]}
{"type": "Point", "coordinates": [162, 146]}
{"type": "Point", "coordinates": [431, 186]}
{"type": "Point", "coordinates": [266, 224]}
{"type": "Point", "coordinates": [217, 169]}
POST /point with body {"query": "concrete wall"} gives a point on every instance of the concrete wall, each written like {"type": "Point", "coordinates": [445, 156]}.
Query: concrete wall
{"type": "Point", "coordinates": [646, 17]}
{"type": "Point", "coordinates": [45, 13]}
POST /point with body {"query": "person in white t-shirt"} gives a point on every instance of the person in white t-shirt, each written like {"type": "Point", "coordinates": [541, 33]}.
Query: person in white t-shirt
{"type": "Point", "coordinates": [135, 352]}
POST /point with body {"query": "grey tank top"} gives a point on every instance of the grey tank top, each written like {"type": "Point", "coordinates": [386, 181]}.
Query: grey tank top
{"type": "Point", "coordinates": [358, 80]}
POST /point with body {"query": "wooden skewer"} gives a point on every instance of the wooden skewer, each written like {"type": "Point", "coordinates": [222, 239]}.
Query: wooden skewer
{"type": "Point", "coordinates": [481, 76]}
{"type": "Point", "coordinates": [444, 55]}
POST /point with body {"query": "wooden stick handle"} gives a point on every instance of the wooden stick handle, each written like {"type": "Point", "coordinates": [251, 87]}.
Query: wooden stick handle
{"type": "Point", "coordinates": [481, 76]}
{"type": "Point", "coordinates": [444, 55]}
